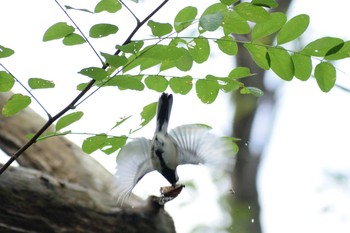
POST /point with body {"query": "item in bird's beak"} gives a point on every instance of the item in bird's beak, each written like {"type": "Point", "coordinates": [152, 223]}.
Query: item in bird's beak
{"type": "Point", "coordinates": [169, 193]}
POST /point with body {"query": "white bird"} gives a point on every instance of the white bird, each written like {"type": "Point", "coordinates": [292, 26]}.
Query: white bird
{"type": "Point", "coordinates": [187, 144]}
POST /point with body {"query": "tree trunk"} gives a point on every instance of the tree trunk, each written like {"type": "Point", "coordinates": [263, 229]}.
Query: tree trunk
{"type": "Point", "coordinates": [63, 190]}
{"type": "Point", "coordinates": [245, 207]}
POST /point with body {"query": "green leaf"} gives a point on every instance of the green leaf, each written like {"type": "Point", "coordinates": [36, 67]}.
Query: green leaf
{"type": "Point", "coordinates": [228, 2]}
{"type": "Point", "coordinates": [215, 8]}
{"type": "Point", "coordinates": [110, 70]}
{"type": "Point", "coordinates": [234, 23]}
{"type": "Point", "coordinates": [184, 18]}
{"type": "Point", "coordinates": [146, 63]}
{"type": "Point", "coordinates": [81, 86]}
{"type": "Point", "coordinates": [159, 29]}
{"type": "Point", "coordinates": [127, 82]}
{"type": "Point", "coordinates": [302, 66]}
{"type": "Point", "coordinates": [115, 60]}
{"type": "Point", "coordinates": [225, 84]}
{"type": "Point", "coordinates": [73, 39]}
{"type": "Point", "coordinates": [94, 143]}
{"type": "Point", "coordinates": [156, 82]}
{"type": "Point", "coordinates": [341, 53]}
{"type": "Point", "coordinates": [112, 144]}
{"type": "Point", "coordinates": [148, 113]}
{"type": "Point", "coordinates": [322, 46]}
{"type": "Point", "coordinates": [58, 31]}
{"type": "Point", "coordinates": [15, 104]}
{"type": "Point", "coordinates": [132, 47]}
{"type": "Point", "coordinates": [227, 45]}
{"type": "Point", "coordinates": [181, 85]}
{"type": "Point", "coordinates": [199, 49]}
{"type": "Point", "coordinates": [281, 63]}
{"type": "Point", "coordinates": [111, 6]}
{"type": "Point", "coordinates": [168, 56]}
{"type": "Point", "coordinates": [294, 28]}
{"type": "Point", "coordinates": [38, 83]}
{"type": "Point", "coordinates": [102, 30]}
{"type": "Point", "coordinates": [272, 25]}
{"type": "Point", "coordinates": [121, 121]}
{"type": "Point", "coordinates": [252, 90]}
{"type": "Point", "coordinates": [212, 17]}
{"type": "Point", "coordinates": [184, 61]}
{"type": "Point", "coordinates": [265, 3]}
{"type": "Point", "coordinates": [6, 81]}
{"type": "Point", "coordinates": [5, 52]}
{"type": "Point", "coordinates": [258, 52]}
{"type": "Point", "coordinates": [239, 72]}
{"type": "Point", "coordinates": [207, 90]}
{"type": "Point", "coordinates": [211, 22]}
{"type": "Point", "coordinates": [178, 57]}
{"type": "Point", "coordinates": [334, 50]}
{"type": "Point", "coordinates": [325, 75]}
{"type": "Point", "coordinates": [68, 120]}
{"type": "Point", "coordinates": [180, 42]}
{"type": "Point", "coordinates": [78, 9]}
{"type": "Point", "coordinates": [95, 73]}
{"type": "Point", "coordinates": [252, 12]}
{"type": "Point", "coordinates": [158, 52]}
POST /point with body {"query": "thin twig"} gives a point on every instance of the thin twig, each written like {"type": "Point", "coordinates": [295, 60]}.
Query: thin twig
{"type": "Point", "coordinates": [139, 25]}
{"type": "Point", "coordinates": [130, 11]}
{"type": "Point", "coordinates": [72, 104]}
{"type": "Point", "coordinates": [127, 41]}
{"type": "Point", "coordinates": [82, 133]}
{"type": "Point", "coordinates": [42, 130]}
{"type": "Point", "coordinates": [81, 32]}
{"type": "Point", "coordinates": [27, 90]}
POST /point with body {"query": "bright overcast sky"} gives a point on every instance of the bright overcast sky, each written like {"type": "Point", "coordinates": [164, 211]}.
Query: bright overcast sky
{"type": "Point", "coordinates": [309, 145]}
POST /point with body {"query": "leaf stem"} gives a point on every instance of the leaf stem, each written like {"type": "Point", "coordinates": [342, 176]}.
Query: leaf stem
{"type": "Point", "coordinates": [81, 32]}
{"type": "Point", "coordinates": [130, 11]}
{"type": "Point", "coordinates": [127, 41]}
{"type": "Point", "coordinates": [27, 90]}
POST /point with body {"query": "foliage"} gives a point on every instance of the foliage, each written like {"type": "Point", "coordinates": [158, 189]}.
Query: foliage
{"type": "Point", "coordinates": [169, 48]}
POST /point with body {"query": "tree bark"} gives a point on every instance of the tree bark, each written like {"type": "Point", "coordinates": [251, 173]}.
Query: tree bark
{"type": "Point", "coordinates": [60, 189]}
{"type": "Point", "coordinates": [32, 201]}
{"type": "Point", "coordinates": [245, 207]}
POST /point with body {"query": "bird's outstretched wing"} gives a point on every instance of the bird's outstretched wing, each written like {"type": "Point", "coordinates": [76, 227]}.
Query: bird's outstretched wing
{"type": "Point", "coordinates": [198, 145]}
{"type": "Point", "coordinates": [133, 162]}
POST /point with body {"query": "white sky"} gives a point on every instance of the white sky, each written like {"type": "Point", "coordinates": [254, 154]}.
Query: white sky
{"type": "Point", "coordinates": [309, 144]}
{"type": "Point", "coordinates": [309, 138]}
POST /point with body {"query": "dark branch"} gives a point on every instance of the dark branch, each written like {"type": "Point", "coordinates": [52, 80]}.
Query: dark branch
{"type": "Point", "coordinates": [72, 104]}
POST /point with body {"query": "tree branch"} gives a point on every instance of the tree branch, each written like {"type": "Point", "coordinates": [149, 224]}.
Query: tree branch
{"type": "Point", "coordinates": [72, 104]}
{"type": "Point", "coordinates": [31, 201]}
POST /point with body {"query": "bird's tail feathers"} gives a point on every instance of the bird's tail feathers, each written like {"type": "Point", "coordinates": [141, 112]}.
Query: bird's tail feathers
{"type": "Point", "coordinates": [164, 109]}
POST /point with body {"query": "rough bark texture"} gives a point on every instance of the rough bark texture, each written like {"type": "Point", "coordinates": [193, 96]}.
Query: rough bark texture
{"type": "Point", "coordinates": [246, 209]}
{"type": "Point", "coordinates": [63, 190]}
{"type": "Point", "coordinates": [32, 201]}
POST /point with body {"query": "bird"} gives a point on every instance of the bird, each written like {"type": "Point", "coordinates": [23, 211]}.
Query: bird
{"type": "Point", "coordinates": [185, 144]}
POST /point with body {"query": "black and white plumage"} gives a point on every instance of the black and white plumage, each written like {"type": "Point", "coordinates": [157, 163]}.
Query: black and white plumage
{"type": "Point", "coordinates": [187, 144]}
